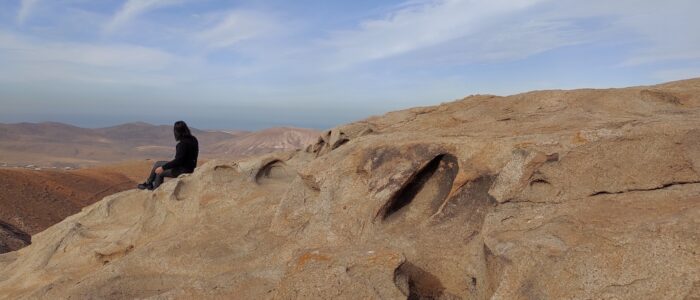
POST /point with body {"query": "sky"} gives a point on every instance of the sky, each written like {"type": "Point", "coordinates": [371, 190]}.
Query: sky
{"type": "Point", "coordinates": [321, 63]}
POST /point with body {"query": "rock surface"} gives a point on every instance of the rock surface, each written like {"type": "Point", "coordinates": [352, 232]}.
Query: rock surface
{"type": "Point", "coordinates": [585, 194]}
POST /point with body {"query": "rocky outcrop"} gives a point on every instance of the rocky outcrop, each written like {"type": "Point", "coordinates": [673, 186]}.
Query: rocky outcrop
{"type": "Point", "coordinates": [587, 194]}
{"type": "Point", "coordinates": [338, 136]}
{"type": "Point", "coordinates": [12, 238]}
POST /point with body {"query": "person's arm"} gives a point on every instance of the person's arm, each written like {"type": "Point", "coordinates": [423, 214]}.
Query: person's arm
{"type": "Point", "coordinates": [179, 157]}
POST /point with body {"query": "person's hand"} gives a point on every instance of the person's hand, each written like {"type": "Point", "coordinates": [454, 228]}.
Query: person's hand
{"type": "Point", "coordinates": [159, 170]}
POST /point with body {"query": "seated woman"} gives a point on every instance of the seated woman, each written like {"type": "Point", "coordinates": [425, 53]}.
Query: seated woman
{"type": "Point", "coordinates": [185, 160]}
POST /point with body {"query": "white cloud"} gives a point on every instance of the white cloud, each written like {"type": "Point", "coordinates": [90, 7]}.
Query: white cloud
{"type": "Point", "coordinates": [677, 74]}
{"type": "Point", "coordinates": [498, 43]}
{"type": "Point", "coordinates": [658, 31]}
{"type": "Point", "coordinates": [463, 31]}
{"type": "Point", "coordinates": [123, 56]}
{"type": "Point", "coordinates": [133, 8]}
{"type": "Point", "coordinates": [41, 60]}
{"type": "Point", "coordinates": [238, 26]}
{"type": "Point", "coordinates": [25, 9]}
{"type": "Point", "coordinates": [669, 31]}
{"type": "Point", "coordinates": [419, 25]}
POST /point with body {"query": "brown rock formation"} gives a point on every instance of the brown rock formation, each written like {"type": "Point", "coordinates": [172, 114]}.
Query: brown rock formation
{"type": "Point", "coordinates": [586, 194]}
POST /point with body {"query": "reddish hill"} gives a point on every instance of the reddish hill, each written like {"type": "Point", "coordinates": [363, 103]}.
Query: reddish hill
{"type": "Point", "coordinates": [32, 200]}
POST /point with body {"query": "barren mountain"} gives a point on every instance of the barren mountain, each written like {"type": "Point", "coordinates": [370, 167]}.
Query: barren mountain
{"type": "Point", "coordinates": [584, 194]}
{"type": "Point", "coordinates": [61, 145]}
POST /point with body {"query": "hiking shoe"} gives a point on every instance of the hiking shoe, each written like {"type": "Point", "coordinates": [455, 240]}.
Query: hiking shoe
{"type": "Point", "coordinates": [145, 186]}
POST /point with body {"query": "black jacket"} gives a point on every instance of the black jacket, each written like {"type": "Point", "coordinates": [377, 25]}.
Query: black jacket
{"type": "Point", "coordinates": [186, 154]}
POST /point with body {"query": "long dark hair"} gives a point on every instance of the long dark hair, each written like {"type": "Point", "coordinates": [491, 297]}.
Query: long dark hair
{"type": "Point", "coordinates": [181, 130]}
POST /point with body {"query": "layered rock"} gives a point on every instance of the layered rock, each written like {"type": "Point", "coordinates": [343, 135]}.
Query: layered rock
{"type": "Point", "coordinates": [586, 194]}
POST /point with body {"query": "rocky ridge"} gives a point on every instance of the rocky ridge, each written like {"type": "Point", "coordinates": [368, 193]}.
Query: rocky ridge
{"type": "Point", "coordinates": [584, 194]}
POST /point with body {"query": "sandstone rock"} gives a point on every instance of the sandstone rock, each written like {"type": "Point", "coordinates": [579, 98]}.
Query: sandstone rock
{"type": "Point", "coordinates": [517, 173]}
{"type": "Point", "coordinates": [338, 136]}
{"type": "Point", "coordinates": [587, 194]}
{"type": "Point", "coordinates": [342, 274]}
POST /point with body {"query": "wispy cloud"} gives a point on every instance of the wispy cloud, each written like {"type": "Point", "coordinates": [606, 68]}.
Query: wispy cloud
{"type": "Point", "coordinates": [660, 31]}
{"type": "Point", "coordinates": [365, 55]}
{"type": "Point", "coordinates": [676, 74]}
{"type": "Point", "coordinates": [418, 25]}
{"type": "Point", "coordinates": [667, 36]}
{"type": "Point", "coordinates": [112, 55]}
{"type": "Point", "coordinates": [133, 8]}
{"type": "Point", "coordinates": [238, 26]}
{"type": "Point", "coordinates": [25, 9]}
{"type": "Point", "coordinates": [42, 60]}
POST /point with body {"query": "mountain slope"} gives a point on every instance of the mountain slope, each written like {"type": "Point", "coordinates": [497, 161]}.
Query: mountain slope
{"type": "Point", "coordinates": [31, 201]}
{"type": "Point", "coordinates": [585, 194]}
{"type": "Point", "coordinates": [60, 145]}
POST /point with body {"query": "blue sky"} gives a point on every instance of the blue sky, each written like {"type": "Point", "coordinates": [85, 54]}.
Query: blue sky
{"type": "Point", "coordinates": [308, 63]}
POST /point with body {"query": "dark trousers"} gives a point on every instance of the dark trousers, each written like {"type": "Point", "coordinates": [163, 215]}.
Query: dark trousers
{"type": "Point", "coordinates": [157, 179]}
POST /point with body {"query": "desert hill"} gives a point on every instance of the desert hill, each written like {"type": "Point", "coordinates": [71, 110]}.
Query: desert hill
{"type": "Point", "coordinates": [32, 200]}
{"type": "Point", "coordinates": [583, 194]}
{"type": "Point", "coordinates": [53, 144]}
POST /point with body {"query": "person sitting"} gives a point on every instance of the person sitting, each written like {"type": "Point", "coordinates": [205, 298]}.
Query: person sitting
{"type": "Point", "coordinates": [185, 161]}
